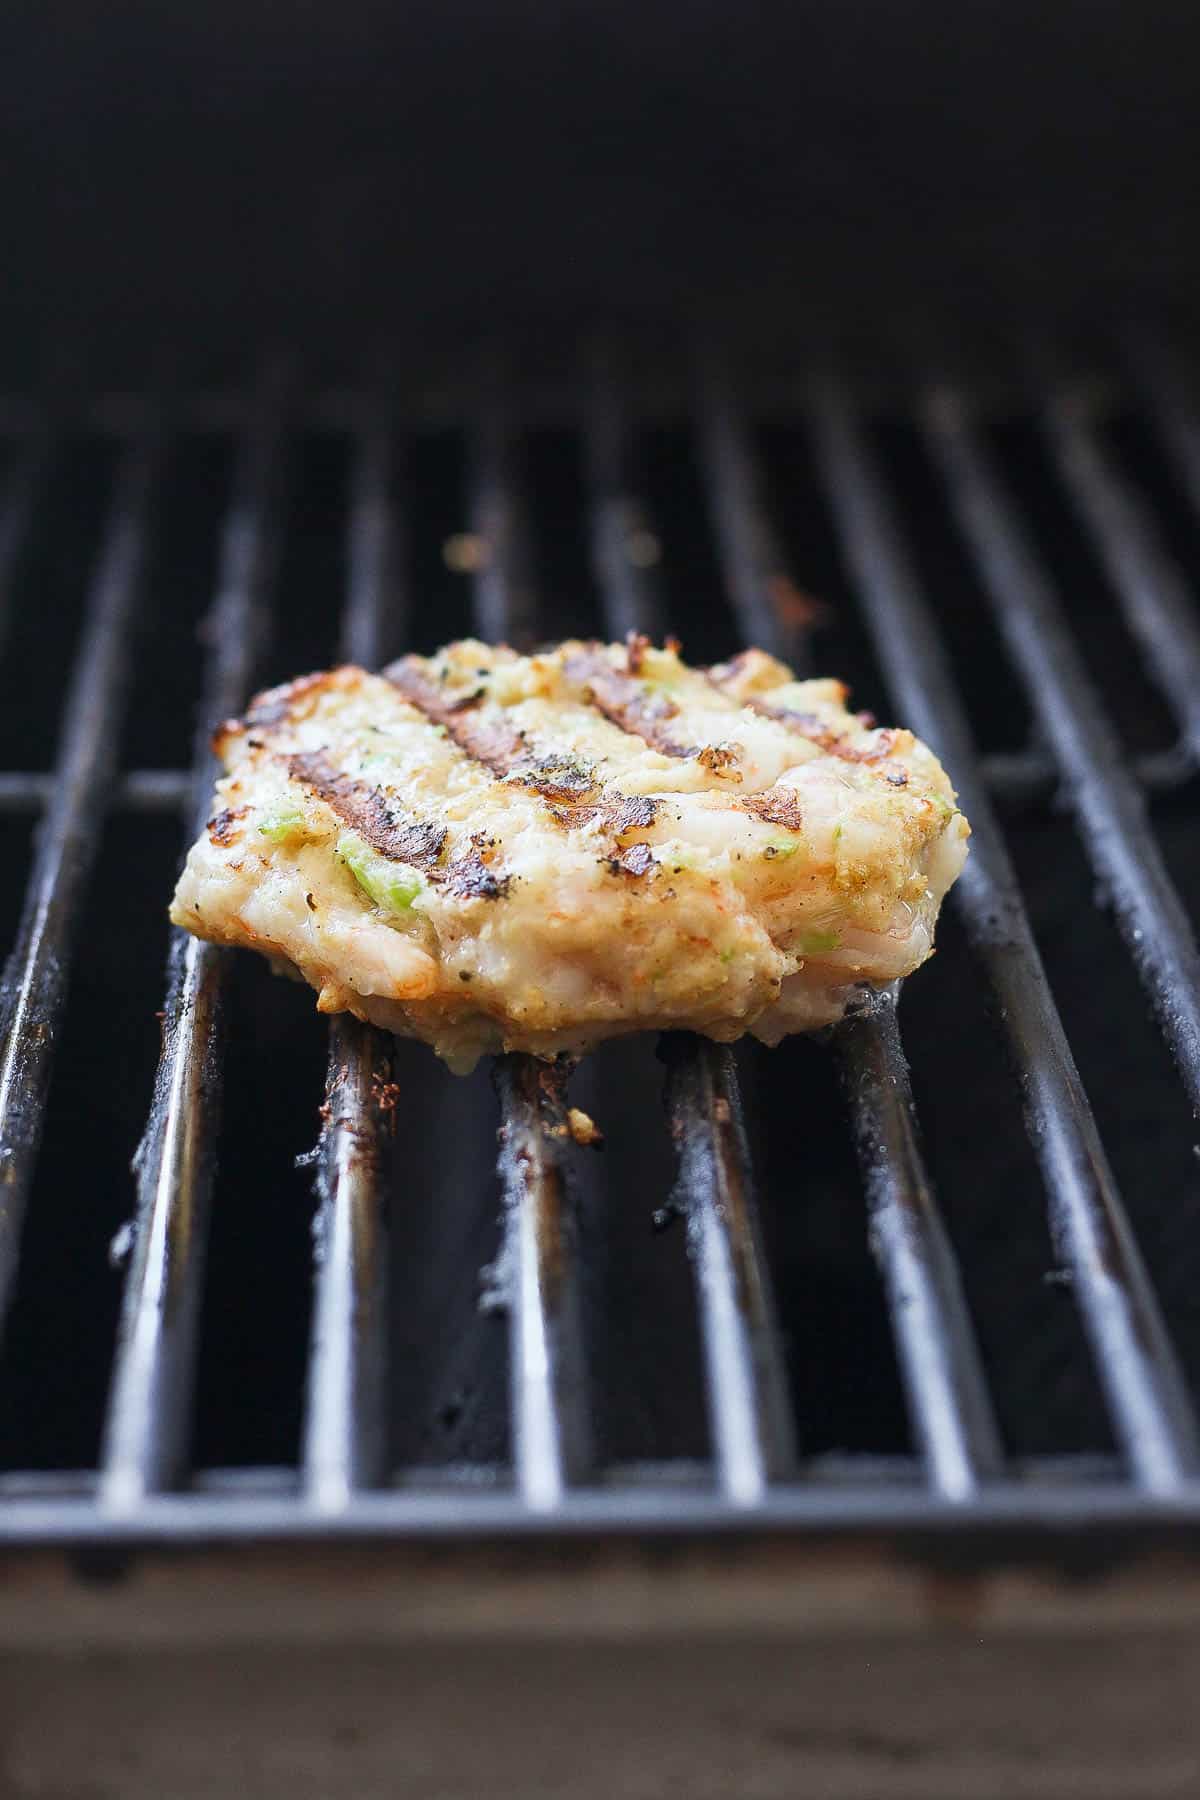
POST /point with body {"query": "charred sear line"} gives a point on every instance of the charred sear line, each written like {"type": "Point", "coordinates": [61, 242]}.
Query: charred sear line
{"type": "Point", "coordinates": [558, 777]}
{"type": "Point", "coordinates": [366, 810]}
{"type": "Point", "coordinates": [495, 744]}
{"type": "Point", "coordinates": [810, 726]}
{"type": "Point", "coordinates": [223, 827]}
{"type": "Point", "coordinates": [277, 704]}
{"type": "Point", "coordinates": [624, 703]}
{"type": "Point", "coordinates": [618, 813]}
{"type": "Point", "coordinates": [778, 806]}
{"type": "Point", "coordinates": [486, 739]}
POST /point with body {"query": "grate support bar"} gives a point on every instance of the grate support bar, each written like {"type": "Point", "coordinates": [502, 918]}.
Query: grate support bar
{"type": "Point", "coordinates": [34, 985]}
{"type": "Point", "coordinates": [149, 1407]}
{"type": "Point", "coordinates": [939, 1359]}
{"type": "Point", "coordinates": [345, 1425]}
{"type": "Point", "coordinates": [1110, 809]}
{"type": "Point", "coordinates": [1136, 1364]}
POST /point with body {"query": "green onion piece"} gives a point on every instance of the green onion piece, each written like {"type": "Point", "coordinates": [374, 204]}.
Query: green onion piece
{"type": "Point", "coordinates": [780, 848]}
{"type": "Point", "coordinates": [814, 943]}
{"type": "Point", "coordinates": [392, 886]}
{"type": "Point", "coordinates": [285, 826]}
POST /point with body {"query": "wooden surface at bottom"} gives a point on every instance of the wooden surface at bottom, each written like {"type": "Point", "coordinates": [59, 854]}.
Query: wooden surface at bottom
{"type": "Point", "coordinates": [939, 1715]}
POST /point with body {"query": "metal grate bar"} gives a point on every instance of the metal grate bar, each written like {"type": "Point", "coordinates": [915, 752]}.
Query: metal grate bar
{"type": "Point", "coordinates": [505, 591]}
{"type": "Point", "coordinates": [344, 1432]}
{"type": "Point", "coordinates": [748, 1399]}
{"type": "Point", "coordinates": [939, 1360]}
{"type": "Point", "coordinates": [748, 1403]}
{"type": "Point", "coordinates": [1109, 807]}
{"type": "Point", "coordinates": [551, 1430]}
{"type": "Point", "coordinates": [35, 980]}
{"type": "Point", "coordinates": [548, 1379]}
{"type": "Point", "coordinates": [149, 1410]}
{"type": "Point", "coordinates": [1155, 598]}
{"type": "Point", "coordinates": [623, 540]}
{"type": "Point", "coordinates": [1136, 1363]}
{"type": "Point", "coordinates": [753, 564]}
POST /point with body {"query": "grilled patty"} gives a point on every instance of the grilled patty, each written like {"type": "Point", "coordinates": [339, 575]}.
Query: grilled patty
{"type": "Point", "coordinates": [491, 851]}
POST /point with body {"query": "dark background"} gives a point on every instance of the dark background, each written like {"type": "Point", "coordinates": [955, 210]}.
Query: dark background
{"type": "Point", "coordinates": [425, 166]}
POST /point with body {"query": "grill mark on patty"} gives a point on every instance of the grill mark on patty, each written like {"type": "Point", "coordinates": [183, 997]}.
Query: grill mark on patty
{"type": "Point", "coordinates": [619, 814]}
{"type": "Point", "coordinates": [492, 742]}
{"type": "Point", "coordinates": [486, 739]}
{"type": "Point", "coordinates": [624, 702]}
{"type": "Point", "coordinates": [810, 727]}
{"type": "Point", "coordinates": [777, 806]}
{"type": "Point", "coordinates": [418, 842]}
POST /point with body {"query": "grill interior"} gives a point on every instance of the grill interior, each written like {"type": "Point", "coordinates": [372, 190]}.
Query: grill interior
{"type": "Point", "coordinates": [786, 1303]}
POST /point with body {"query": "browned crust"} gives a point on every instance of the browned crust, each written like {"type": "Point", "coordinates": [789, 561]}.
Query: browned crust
{"type": "Point", "coordinates": [470, 878]}
{"type": "Point", "coordinates": [622, 701]}
{"type": "Point", "coordinates": [637, 861]}
{"type": "Point", "coordinates": [720, 760]}
{"type": "Point", "coordinates": [400, 838]}
{"type": "Point", "coordinates": [223, 827]}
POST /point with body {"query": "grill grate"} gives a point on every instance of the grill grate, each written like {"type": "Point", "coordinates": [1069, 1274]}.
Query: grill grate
{"type": "Point", "coordinates": [144, 1486]}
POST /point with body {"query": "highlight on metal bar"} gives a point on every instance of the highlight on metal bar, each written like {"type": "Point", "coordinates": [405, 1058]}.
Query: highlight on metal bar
{"type": "Point", "coordinates": [749, 1410]}
{"type": "Point", "coordinates": [1109, 807]}
{"type": "Point", "coordinates": [34, 985]}
{"type": "Point", "coordinates": [149, 1408]}
{"type": "Point", "coordinates": [551, 1432]}
{"type": "Point", "coordinates": [1155, 598]}
{"type": "Point", "coordinates": [345, 1427]}
{"type": "Point", "coordinates": [549, 1399]}
{"type": "Point", "coordinates": [1134, 1358]}
{"type": "Point", "coordinates": [946, 1394]}
{"type": "Point", "coordinates": [749, 1406]}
